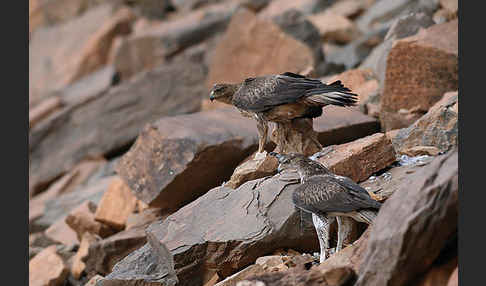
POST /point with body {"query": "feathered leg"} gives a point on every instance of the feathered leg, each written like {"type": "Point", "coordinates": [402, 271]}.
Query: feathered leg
{"type": "Point", "coordinates": [321, 223]}
{"type": "Point", "coordinates": [344, 229]}
{"type": "Point", "coordinates": [262, 127]}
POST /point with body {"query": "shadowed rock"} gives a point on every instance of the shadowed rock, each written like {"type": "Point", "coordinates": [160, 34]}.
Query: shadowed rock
{"type": "Point", "coordinates": [112, 120]}
{"type": "Point", "coordinates": [413, 225]}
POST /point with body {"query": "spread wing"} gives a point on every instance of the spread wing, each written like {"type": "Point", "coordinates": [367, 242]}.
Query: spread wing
{"type": "Point", "coordinates": [263, 93]}
{"type": "Point", "coordinates": [331, 194]}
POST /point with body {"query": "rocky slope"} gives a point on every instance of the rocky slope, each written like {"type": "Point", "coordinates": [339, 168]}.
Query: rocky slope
{"type": "Point", "coordinates": [132, 175]}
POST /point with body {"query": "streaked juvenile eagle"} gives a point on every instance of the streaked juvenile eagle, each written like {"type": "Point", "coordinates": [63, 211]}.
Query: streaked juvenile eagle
{"type": "Point", "coordinates": [281, 98]}
{"type": "Point", "coordinates": [327, 196]}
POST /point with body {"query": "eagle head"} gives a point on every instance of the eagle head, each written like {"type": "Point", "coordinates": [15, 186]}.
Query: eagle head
{"type": "Point", "coordinates": [298, 162]}
{"type": "Point", "coordinates": [222, 92]}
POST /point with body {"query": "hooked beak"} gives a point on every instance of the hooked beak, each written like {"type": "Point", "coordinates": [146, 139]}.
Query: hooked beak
{"type": "Point", "coordinates": [211, 96]}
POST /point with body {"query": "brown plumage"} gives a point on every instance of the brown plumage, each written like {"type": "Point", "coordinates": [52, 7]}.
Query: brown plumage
{"type": "Point", "coordinates": [327, 195]}
{"type": "Point", "coordinates": [281, 98]}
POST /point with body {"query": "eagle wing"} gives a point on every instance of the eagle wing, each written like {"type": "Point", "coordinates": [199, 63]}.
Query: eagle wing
{"type": "Point", "coordinates": [331, 194]}
{"type": "Point", "coordinates": [263, 93]}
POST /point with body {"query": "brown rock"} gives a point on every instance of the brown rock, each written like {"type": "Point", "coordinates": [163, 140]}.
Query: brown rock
{"type": "Point", "coordinates": [78, 265]}
{"type": "Point", "coordinates": [381, 14]}
{"type": "Point", "coordinates": [47, 268]}
{"type": "Point", "coordinates": [437, 128]}
{"type": "Point", "coordinates": [383, 186]}
{"type": "Point", "coordinates": [334, 27]}
{"type": "Point", "coordinates": [93, 280]}
{"type": "Point", "coordinates": [413, 83]}
{"type": "Point", "coordinates": [336, 126]}
{"type": "Point", "coordinates": [439, 274]}
{"type": "Point", "coordinates": [72, 96]}
{"type": "Point", "coordinates": [153, 44]}
{"type": "Point", "coordinates": [262, 220]}
{"type": "Point", "coordinates": [251, 270]}
{"type": "Point", "coordinates": [37, 204]}
{"type": "Point", "coordinates": [112, 120]}
{"type": "Point", "coordinates": [117, 204]}
{"type": "Point", "coordinates": [82, 219]}
{"type": "Point", "coordinates": [421, 150]}
{"type": "Point", "coordinates": [251, 169]}
{"type": "Point", "coordinates": [43, 109]}
{"type": "Point", "coordinates": [191, 152]}
{"type": "Point", "coordinates": [145, 217]}
{"type": "Point", "coordinates": [398, 252]}
{"type": "Point", "coordinates": [451, 5]}
{"type": "Point", "coordinates": [279, 7]}
{"type": "Point", "coordinates": [300, 277]}
{"type": "Point", "coordinates": [104, 254]}
{"type": "Point", "coordinates": [39, 240]}
{"type": "Point", "coordinates": [454, 278]}
{"type": "Point", "coordinates": [405, 26]}
{"type": "Point", "coordinates": [348, 8]}
{"type": "Point", "coordinates": [253, 46]}
{"type": "Point", "coordinates": [444, 15]}
{"type": "Point", "coordinates": [360, 158]}
{"type": "Point", "coordinates": [58, 208]}
{"type": "Point", "coordinates": [60, 232]}
{"type": "Point", "coordinates": [73, 49]}
{"type": "Point", "coordinates": [150, 265]}
{"type": "Point", "coordinates": [353, 78]}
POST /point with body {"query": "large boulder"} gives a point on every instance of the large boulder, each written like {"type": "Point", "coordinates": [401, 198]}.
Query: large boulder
{"type": "Point", "coordinates": [238, 226]}
{"type": "Point", "coordinates": [112, 120]}
{"type": "Point", "coordinates": [360, 158]}
{"type": "Point", "coordinates": [419, 70]}
{"type": "Point", "coordinates": [61, 54]}
{"type": "Point", "coordinates": [438, 128]}
{"type": "Point", "coordinates": [253, 46]}
{"type": "Point", "coordinates": [177, 159]}
{"type": "Point", "coordinates": [413, 225]}
{"type": "Point", "coordinates": [404, 26]}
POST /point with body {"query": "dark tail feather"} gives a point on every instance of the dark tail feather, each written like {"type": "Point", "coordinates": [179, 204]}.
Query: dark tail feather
{"type": "Point", "coordinates": [333, 94]}
{"type": "Point", "coordinates": [367, 216]}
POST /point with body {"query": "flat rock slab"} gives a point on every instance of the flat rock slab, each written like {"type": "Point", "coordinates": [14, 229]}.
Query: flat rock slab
{"type": "Point", "coordinates": [112, 120]}
{"type": "Point", "coordinates": [176, 159]}
{"type": "Point", "coordinates": [437, 128]}
{"type": "Point", "coordinates": [413, 225]}
{"type": "Point", "coordinates": [360, 158]}
{"type": "Point", "coordinates": [239, 226]}
{"type": "Point", "coordinates": [419, 70]}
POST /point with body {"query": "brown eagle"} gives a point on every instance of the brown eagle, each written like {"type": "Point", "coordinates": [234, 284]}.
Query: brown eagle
{"type": "Point", "coordinates": [327, 196]}
{"type": "Point", "coordinates": [281, 98]}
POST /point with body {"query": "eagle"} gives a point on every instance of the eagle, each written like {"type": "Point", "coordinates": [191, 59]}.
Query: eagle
{"type": "Point", "coordinates": [327, 196]}
{"type": "Point", "coordinates": [281, 98]}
